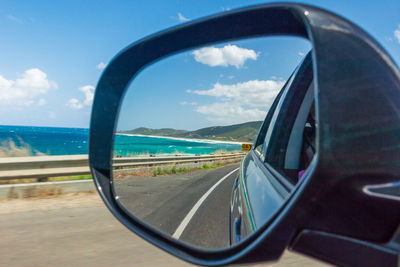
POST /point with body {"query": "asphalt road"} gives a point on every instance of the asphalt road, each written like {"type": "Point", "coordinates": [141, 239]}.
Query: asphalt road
{"type": "Point", "coordinates": [164, 201]}
{"type": "Point", "coordinates": [78, 230]}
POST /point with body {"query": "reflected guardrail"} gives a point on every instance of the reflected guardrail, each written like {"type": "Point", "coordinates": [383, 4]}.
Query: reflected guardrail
{"type": "Point", "coordinates": [54, 166]}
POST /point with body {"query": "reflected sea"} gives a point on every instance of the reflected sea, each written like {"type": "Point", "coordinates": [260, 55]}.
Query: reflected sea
{"type": "Point", "coordinates": [72, 141]}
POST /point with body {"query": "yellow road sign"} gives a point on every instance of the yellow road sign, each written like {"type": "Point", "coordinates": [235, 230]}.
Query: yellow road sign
{"type": "Point", "coordinates": [246, 147]}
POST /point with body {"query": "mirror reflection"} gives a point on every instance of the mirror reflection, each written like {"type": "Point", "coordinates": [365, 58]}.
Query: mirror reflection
{"type": "Point", "coordinates": [210, 142]}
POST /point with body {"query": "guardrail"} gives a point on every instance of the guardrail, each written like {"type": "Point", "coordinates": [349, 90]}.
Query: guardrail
{"type": "Point", "coordinates": [52, 166]}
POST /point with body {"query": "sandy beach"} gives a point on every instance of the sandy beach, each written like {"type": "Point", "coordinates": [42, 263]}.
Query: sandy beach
{"type": "Point", "coordinates": [186, 139]}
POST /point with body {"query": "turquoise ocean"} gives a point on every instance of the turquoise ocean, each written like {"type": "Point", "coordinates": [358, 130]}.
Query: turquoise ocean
{"type": "Point", "coordinates": [72, 141]}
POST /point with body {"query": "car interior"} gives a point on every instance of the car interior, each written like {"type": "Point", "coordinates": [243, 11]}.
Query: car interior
{"type": "Point", "coordinates": [300, 147]}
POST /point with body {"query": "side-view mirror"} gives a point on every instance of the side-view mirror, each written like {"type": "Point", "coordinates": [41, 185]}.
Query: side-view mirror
{"type": "Point", "coordinates": [323, 174]}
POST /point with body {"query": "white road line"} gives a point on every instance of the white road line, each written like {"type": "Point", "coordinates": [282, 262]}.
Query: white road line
{"type": "Point", "coordinates": [178, 232]}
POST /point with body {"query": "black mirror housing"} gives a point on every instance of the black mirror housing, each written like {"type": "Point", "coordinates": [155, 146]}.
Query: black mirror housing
{"type": "Point", "coordinates": [357, 99]}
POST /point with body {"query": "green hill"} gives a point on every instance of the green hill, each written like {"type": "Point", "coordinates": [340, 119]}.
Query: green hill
{"type": "Point", "coordinates": [159, 132]}
{"type": "Point", "coordinates": [244, 132]}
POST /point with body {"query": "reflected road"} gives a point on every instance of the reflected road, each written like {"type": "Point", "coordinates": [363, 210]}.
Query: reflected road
{"type": "Point", "coordinates": [164, 202]}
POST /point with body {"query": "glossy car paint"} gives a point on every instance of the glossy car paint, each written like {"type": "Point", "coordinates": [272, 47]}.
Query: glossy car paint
{"type": "Point", "coordinates": [357, 89]}
{"type": "Point", "coordinates": [255, 200]}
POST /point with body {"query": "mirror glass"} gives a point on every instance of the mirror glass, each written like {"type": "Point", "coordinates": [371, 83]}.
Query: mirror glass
{"type": "Point", "coordinates": [181, 160]}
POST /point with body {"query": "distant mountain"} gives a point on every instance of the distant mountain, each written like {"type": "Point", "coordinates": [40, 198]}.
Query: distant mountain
{"type": "Point", "coordinates": [244, 132]}
{"type": "Point", "coordinates": [160, 132]}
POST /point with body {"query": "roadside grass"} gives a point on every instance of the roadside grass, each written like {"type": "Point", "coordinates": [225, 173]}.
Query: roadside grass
{"type": "Point", "coordinates": [148, 154]}
{"type": "Point", "coordinates": [175, 170]}
{"type": "Point", "coordinates": [67, 178]}
{"type": "Point", "coordinates": [213, 166]}
{"type": "Point", "coordinates": [9, 148]}
{"type": "Point", "coordinates": [174, 153]}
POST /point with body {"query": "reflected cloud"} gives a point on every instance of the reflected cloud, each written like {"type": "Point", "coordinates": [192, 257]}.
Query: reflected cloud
{"type": "Point", "coordinates": [229, 55]}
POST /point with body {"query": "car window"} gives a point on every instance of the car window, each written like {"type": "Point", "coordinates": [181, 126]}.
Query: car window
{"type": "Point", "coordinates": [283, 144]}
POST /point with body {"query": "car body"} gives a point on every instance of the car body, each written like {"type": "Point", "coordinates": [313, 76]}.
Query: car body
{"type": "Point", "coordinates": [270, 171]}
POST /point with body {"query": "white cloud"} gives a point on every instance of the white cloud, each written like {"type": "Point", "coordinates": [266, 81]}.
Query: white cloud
{"type": "Point", "coordinates": [35, 78]}
{"type": "Point", "coordinates": [184, 103]}
{"type": "Point", "coordinates": [240, 102]}
{"type": "Point", "coordinates": [397, 34]}
{"type": "Point", "coordinates": [74, 103]}
{"type": "Point", "coordinates": [225, 56]}
{"type": "Point", "coordinates": [23, 91]}
{"type": "Point", "coordinates": [101, 65]}
{"type": "Point", "coordinates": [41, 102]}
{"type": "Point", "coordinates": [182, 18]}
{"type": "Point", "coordinates": [88, 91]}
{"type": "Point", "coordinates": [14, 19]}
{"type": "Point", "coordinates": [301, 54]}
{"type": "Point", "coordinates": [230, 113]}
{"type": "Point", "coordinates": [252, 93]}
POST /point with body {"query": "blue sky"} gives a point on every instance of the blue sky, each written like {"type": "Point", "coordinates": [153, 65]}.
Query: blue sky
{"type": "Point", "coordinates": [52, 54]}
{"type": "Point", "coordinates": [222, 84]}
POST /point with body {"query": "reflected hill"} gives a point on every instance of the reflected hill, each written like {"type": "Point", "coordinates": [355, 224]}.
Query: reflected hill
{"type": "Point", "coordinates": [243, 132]}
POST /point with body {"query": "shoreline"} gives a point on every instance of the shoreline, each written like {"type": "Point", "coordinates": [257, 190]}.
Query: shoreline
{"type": "Point", "coordinates": [185, 139]}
